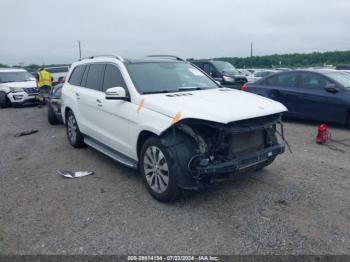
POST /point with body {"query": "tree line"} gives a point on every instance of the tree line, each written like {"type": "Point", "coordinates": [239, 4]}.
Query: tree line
{"type": "Point", "coordinates": [269, 61]}
{"type": "Point", "coordinates": [290, 60]}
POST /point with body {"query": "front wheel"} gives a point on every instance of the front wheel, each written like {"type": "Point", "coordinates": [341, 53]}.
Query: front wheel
{"type": "Point", "coordinates": [75, 137]}
{"type": "Point", "coordinates": [157, 171]}
{"type": "Point", "coordinates": [3, 100]}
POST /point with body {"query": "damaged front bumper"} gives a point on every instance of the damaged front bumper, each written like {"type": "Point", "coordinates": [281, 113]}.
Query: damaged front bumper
{"type": "Point", "coordinates": [207, 151]}
{"type": "Point", "coordinates": [240, 163]}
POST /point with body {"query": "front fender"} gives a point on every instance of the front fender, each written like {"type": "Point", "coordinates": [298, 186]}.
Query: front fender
{"type": "Point", "coordinates": [5, 89]}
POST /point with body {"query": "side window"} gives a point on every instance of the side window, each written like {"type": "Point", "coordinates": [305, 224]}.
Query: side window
{"type": "Point", "coordinates": [310, 80]}
{"type": "Point", "coordinates": [76, 76]}
{"type": "Point", "coordinates": [206, 68]}
{"type": "Point", "coordinates": [112, 78]}
{"type": "Point", "coordinates": [94, 77]}
{"type": "Point", "coordinates": [262, 74]}
{"type": "Point", "coordinates": [83, 81]}
{"type": "Point", "coordinates": [57, 92]}
{"type": "Point", "coordinates": [210, 70]}
{"type": "Point", "coordinates": [283, 80]}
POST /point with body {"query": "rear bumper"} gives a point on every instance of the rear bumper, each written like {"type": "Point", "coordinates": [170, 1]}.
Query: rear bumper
{"type": "Point", "coordinates": [241, 163]}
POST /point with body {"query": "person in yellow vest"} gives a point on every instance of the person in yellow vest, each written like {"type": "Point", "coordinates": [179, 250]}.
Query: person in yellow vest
{"type": "Point", "coordinates": [44, 83]}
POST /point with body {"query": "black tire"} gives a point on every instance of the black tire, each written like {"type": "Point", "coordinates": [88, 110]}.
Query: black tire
{"type": "Point", "coordinates": [51, 116]}
{"type": "Point", "coordinates": [160, 183]}
{"type": "Point", "coordinates": [75, 137]}
{"type": "Point", "coordinates": [3, 100]}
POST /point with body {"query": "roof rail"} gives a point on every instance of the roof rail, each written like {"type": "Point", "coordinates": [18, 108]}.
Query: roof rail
{"type": "Point", "coordinates": [168, 56]}
{"type": "Point", "coordinates": [120, 58]}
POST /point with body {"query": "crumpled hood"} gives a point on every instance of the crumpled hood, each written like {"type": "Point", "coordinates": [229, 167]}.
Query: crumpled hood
{"type": "Point", "coordinates": [222, 105]}
{"type": "Point", "coordinates": [24, 84]}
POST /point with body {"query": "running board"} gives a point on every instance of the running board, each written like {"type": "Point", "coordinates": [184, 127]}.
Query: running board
{"type": "Point", "coordinates": [127, 161]}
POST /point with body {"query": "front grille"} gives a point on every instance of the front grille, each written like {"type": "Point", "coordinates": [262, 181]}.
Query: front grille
{"type": "Point", "coordinates": [247, 142]}
{"type": "Point", "coordinates": [31, 90]}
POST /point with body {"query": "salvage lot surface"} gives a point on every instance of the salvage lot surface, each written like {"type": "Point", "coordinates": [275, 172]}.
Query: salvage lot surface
{"type": "Point", "coordinates": [298, 205]}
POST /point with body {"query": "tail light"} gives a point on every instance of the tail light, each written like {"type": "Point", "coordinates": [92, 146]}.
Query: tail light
{"type": "Point", "coordinates": [244, 87]}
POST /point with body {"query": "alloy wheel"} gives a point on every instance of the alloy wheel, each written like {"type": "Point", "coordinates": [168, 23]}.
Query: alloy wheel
{"type": "Point", "coordinates": [156, 169]}
{"type": "Point", "coordinates": [72, 129]}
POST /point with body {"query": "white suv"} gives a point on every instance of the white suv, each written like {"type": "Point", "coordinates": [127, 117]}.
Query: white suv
{"type": "Point", "coordinates": [169, 119]}
{"type": "Point", "coordinates": [17, 87]}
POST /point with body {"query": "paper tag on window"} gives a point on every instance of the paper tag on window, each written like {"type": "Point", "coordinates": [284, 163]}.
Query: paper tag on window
{"type": "Point", "coordinates": [196, 72]}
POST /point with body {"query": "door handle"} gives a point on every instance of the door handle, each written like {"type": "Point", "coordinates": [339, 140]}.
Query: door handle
{"type": "Point", "coordinates": [77, 95]}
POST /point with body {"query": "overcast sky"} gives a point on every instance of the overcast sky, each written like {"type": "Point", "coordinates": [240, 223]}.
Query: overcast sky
{"type": "Point", "coordinates": [37, 31]}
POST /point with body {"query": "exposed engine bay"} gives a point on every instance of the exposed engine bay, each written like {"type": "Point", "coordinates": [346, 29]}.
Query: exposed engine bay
{"type": "Point", "coordinates": [223, 149]}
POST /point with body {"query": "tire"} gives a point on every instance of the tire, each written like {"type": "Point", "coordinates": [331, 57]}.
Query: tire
{"type": "Point", "coordinates": [75, 137]}
{"type": "Point", "coordinates": [3, 100]}
{"type": "Point", "coordinates": [51, 116]}
{"type": "Point", "coordinates": [157, 171]}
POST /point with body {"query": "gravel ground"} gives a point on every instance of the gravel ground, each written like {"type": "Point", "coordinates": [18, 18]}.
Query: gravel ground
{"type": "Point", "coordinates": [298, 205]}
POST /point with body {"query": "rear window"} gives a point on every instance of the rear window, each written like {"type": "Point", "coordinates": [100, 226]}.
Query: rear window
{"type": "Point", "coordinates": [341, 78]}
{"type": "Point", "coordinates": [76, 76]}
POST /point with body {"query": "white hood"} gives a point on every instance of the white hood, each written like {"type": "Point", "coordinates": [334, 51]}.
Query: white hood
{"type": "Point", "coordinates": [218, 105]}
{"type": "Point", "coordinates": [25, 84]}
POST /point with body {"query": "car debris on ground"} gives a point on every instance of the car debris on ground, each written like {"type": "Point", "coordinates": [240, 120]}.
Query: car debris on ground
{"type": "Point", "coordinates": [26, 132]}
{"type": "Point", "coordinates": [76, 174]}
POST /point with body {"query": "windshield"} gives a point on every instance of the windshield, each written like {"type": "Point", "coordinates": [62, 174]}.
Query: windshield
{"type": "Point", "coordinates": [163, 77]}
{"type": "Point", "coordinates": [225, 67]}
{"type": "Point", "coordinates": [6, 77]}
{"type": "Point", "coordinates": [341, 78]}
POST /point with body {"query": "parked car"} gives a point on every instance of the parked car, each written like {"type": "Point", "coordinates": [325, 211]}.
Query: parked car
{"type": "Point", "coordinates": [167, 118]}
{"type": "Point", "coordinates": [54, 104]}
{"type": "Point", "coordinates": [221, 71]}
{"type": "Point", "coordinates": [17, 87]}
{"type": "Point", "coordinates": [58, 73]}
{"type": "Point", "coordinates": [322, 95]}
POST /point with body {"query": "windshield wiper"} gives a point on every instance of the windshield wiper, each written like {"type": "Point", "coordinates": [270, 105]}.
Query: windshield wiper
{"type": "Point", "coordinates": [155, 92]}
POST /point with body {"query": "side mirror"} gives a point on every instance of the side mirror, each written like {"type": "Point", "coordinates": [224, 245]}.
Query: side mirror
{"type": "Point", "coordinates": [332, 88]}
{"type": "Point", "coordinates": [116, 93]}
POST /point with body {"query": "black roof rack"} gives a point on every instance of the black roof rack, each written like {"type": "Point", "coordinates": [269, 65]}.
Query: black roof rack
{"type": "Point", "coordinates": [168, 56]}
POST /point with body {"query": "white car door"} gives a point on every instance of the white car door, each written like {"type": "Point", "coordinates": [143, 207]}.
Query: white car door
{"type": "Point", "coordinates": [90, 95]}
{"type": "Point", "coordinates": [114, 115]}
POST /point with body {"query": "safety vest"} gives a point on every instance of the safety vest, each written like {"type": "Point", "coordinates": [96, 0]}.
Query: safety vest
{"type": "Point", "coordinates": [44, 78]}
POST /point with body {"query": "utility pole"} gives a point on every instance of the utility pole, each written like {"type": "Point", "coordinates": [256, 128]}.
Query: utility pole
{"type": "Point", "coordinates": [79, 50]}
{"type": "Point", "coordinates": [251, 49]}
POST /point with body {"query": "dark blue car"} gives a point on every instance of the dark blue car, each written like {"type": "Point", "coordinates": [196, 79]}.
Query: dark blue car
{"type": "Point", "coordinates": [321, 95]}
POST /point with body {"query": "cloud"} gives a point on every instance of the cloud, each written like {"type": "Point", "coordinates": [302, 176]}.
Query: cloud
{"type": "Point", "coordinates": [33, 32]}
